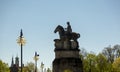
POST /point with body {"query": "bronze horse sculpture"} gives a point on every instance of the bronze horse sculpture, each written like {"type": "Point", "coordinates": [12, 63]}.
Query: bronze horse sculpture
{"type": "Point", "coordinates": [63, 34]}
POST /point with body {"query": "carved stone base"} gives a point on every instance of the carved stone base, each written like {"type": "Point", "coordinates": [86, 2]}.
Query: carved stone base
{"type": "Point", "coordinates": [66, 53]}
{"type": "Point", "coordinates": [66, 44]}
{"type": "Point", "coordinates": [67, 60]}
{"type": "Point", "coordinates": [67, 64]}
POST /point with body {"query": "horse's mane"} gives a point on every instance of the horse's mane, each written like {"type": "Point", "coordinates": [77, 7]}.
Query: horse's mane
{"type": "Point", "coordinates": [59, 26]}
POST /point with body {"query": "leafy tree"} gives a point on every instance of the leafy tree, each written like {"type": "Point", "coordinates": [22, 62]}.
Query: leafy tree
{"type": "Point", "coordinates": [107, 61]}
{"type": "Point", "coordinates": [116, 65]}
{"type": "Point", "coordinates": [117, 51]}
{"type": "Point", "coordinates": [29, 67]}
{"type": "Point", "coordinates": [25, 69]}
{"type": "Point", "coordinates": [89, 63]}
{"type": "Point", "coordinates": [83, 53]}
{"type": "Point", "coordinates": [86, 65]}
{"type": "Point", "coordinates": [49, 70]}
{"type": "Point", "coordinates": [109, 53]}
{"type": "Point", "coordinates": [101, 63]}
{"type": "Point", "coordinates": [4, 67]}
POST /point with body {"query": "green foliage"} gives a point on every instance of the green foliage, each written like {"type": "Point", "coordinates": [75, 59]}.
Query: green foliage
{"type": "Point", "coordinates": [4, 67]}
{"type": "Point", "coordinates": [67, 70]}
{"type": "Point", "coordinates": [29, 67]}
{"type": "Point", "coordinates": [116, 65]}
{"type": "Point", "coordinates": [107, 61]}
{"type": "Point", "coordinates": [101, 62]}
{"type": "Point", "coordinates": [49, 70]}
{"type": "Point", "coordinates": [111, 53]}
{"type": "Point", "coordinates": [89, 63]}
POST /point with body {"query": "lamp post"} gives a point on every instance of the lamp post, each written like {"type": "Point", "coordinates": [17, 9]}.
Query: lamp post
{"type": "Point", "coordinates": [42, 66]}
{"type": "Point", "coordinates": [21, 41]}
{"type": "Point", "coordinates": [36, 58]}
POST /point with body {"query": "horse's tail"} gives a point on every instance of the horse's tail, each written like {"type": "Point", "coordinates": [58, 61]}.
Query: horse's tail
{"type": "Point", "coordinates": [78, 35]}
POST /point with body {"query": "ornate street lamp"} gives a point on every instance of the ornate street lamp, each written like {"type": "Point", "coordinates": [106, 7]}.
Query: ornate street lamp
{"type": "Point", "coordinates": [36, 58]}
{"type": "Point", "coordinates": [42, 66]}
{"type": "Point", "coordinates": [21, 41]}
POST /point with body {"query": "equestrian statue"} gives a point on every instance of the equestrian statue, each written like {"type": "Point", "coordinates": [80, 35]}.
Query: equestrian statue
{"type": "Point", "coordinates": [68, 39]}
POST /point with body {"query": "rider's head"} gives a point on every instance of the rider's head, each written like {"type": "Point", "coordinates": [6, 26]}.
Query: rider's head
{"type": "Point", "coordinates": [68, 23]}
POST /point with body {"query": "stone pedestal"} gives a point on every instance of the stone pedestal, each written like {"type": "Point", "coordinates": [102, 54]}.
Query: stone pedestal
{"type": "Point", "coordinates": [67, 64]}
{"type": "Point", "coordinates": [67, 60]}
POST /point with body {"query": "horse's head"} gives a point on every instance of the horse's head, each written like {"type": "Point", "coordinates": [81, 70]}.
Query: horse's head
{"type": "Point", "coordinates": [58, 28]}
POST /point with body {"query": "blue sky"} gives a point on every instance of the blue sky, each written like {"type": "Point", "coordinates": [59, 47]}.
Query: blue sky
{"type": "Point", "coordinates": [98, 22]}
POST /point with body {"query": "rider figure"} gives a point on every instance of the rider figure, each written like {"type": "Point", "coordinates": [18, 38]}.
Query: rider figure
{"type": "Point", "coordinates": [69, 30]}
